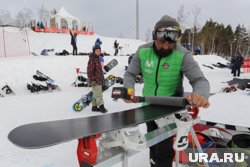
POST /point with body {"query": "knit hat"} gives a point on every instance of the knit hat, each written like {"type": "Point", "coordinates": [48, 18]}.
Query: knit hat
{"type": "Point", "coordinates": [166, 21]}
{"type": "Point", "coordinates": [96, 47]}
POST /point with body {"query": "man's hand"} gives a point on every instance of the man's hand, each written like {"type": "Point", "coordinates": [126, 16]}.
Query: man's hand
{"type": "Point", "coordinates": [131, 94]}
{"type": "Point", "coordinates": [197, 100]}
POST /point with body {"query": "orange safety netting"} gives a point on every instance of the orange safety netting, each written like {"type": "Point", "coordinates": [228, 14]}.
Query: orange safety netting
{"type": "Point", "coordinates": [61, 30]}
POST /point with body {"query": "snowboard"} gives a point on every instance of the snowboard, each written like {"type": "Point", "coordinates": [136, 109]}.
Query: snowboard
{"type": "Point", "coordinates": [107, 67]}
{"type": "Point", "coordinates": [50, 83]}
{"type": "Point", "coordinates": [241, 129]}
{"type": "Point", "coordinates": [45, 134]}
{"type": "Point", "coordinates": [85, 100]}
{"type": "Point", "coordinates": [39, 73]}
{"type": "Point", "coordinates": [34, 54]}
{"type": "Point", "coordinates": [45, 52]}
{"type": "Point", "coordinates": [220, 130]}
{"type": "Point", "coordinates": [208, 66]}
{"type": "Point", "coordinates": [7, 90]}
{"type": "Point", "coordinates": [110, 65]}
{"type": "Point", "coordinates": [38, 87]}
{"type": "Point", "coordinates": [34, 87]}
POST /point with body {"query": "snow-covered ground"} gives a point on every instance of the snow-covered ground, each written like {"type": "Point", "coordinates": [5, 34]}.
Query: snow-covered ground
{"type": "Point", "coordinates": [24, 107]}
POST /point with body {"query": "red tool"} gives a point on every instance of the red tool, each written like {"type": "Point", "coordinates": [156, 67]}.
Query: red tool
{"type": "Point", "coordinates": [87, 150]}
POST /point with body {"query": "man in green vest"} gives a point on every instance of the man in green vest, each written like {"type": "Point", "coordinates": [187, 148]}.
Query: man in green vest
{"type": "Point", "coordinates": [163, 63]}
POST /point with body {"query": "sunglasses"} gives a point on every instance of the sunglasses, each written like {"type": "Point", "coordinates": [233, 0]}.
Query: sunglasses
{"type": "Point", "coordinates": [164, 34]}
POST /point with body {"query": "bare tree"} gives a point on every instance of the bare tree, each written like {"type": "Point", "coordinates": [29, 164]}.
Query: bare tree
{"type": "Point", "coordinates": [195, 12]}
{"type": "Point", "coordinates": [44, 14]}
{"type": "Point", "coordinates": [213, 43]}
{"type": "Point", "coordinates": [5, 17]}
{"type": "Point", "coordinates": [23, 18]}
{"type": "Point", "coordinates": [248, 46]}
{"type": "Point", "coordinates": [148, 35]}
{"type": "Point", "coordinates": [181, 16]}
{"type": "Point", "coordinates": [53, 11]}
{"type": "Point", "coordinates": [120, 35]}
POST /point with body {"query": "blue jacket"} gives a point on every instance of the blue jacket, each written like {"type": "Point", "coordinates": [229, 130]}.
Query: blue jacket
{"type": "Point", "coordinates": [237, 61]}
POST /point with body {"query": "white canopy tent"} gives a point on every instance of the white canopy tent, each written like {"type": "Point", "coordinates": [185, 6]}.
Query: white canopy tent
{"type": "Point", "coordinates": [62, 19]}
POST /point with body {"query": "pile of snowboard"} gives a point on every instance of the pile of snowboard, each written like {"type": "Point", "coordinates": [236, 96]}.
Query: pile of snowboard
{"type": "Point", "coordinates": [45, 52]}
{"type": "Point", "coordinates": [42, 83]}
{"type": "Point", "coordinates": [6, 90]}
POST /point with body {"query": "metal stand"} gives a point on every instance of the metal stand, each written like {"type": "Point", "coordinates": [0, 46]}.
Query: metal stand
{"type": "Point", "coordinates": [118, 149]}
{"type": "Point", "coordinates": [197, 144]}
{"type": "Point", "coordinates": [125, 159]}
{"type": "Point", "coordinates": [177, 158]}
{"type": "Point", "coordinates": [177, 153]}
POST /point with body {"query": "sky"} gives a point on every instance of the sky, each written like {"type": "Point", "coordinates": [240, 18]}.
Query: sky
{"type": "Point", "coordinates": [118, 17]}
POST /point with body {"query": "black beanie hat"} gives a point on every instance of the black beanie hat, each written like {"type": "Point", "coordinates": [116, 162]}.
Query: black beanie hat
{"type": "Point", "coordinates": [96, 47]}
{"type": "Point", "coordinates": [166, 21]}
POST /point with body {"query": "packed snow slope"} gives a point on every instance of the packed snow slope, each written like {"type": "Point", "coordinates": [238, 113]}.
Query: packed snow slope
{"type": "Point", "coordinates": [25, 107]}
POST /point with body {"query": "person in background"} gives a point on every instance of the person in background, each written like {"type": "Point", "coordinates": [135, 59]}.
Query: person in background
{"type": "Point", "coordinates": [116, 46]}
{"type": "Point", "coordinates": [38, 24]}
{"type": "Point", "coordinates": [41, 25]}
{"type": "Point", "coordinates": [197, 50]}
{"type": "Point", "coordinates": [95, 74]}
{"type": "Point", "coordinates": [237, 62]}
{"type": "Point", "coordinates": [186, 45]}
{"type": "Point", "coordinates": [74, 42]}
{"type": "Point", "coordinates": [163, 63]}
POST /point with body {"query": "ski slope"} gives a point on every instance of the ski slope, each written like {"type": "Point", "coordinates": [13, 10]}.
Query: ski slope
{"type": "Point", "coordinates": [24, 107]}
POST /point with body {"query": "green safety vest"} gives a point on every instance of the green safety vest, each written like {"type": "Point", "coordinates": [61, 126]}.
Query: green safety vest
{"type": "Point", "coordinates": [161, 75]}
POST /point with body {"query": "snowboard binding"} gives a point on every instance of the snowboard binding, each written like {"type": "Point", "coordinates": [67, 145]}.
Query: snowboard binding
{"type": "Point", "coordinates": [44, 83]}
{"type": "Point", "coordinates": [230, 89]}
{"type": "Point", "coordinates": [7, 89]}
{"type": "Point", "coordinates": [39, 78]}
{"type": "Point", "coordinates": [80, 81]}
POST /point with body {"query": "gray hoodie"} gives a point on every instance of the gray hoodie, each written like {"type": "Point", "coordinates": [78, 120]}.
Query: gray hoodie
{"type": "Point", "coordinates": [190, 69]}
